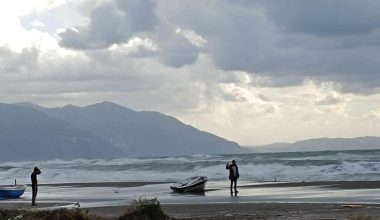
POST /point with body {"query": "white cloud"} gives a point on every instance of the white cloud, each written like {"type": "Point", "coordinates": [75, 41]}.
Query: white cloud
{"type": "Point", "coordinates": [134, 45]}
{"type": "Point", "coordinates": [37, 23]}
{"type": "Point", "coordinates": [374, 114]}
{"type": "Point", "coordinates": [194, 38]}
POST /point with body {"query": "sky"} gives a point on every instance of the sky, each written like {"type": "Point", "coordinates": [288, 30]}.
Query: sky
{"type": "Point", "coordinates": [251, 71]}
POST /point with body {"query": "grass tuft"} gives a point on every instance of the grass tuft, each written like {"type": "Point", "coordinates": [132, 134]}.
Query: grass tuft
{"type": "Point", "coordinates": [363, 218]}
{"type": "Point", "coordinates": [58, 214]}
{"type": "Point", "coordinates": [145, 209]}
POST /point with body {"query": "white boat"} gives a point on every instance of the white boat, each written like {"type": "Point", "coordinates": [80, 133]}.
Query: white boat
{"type": "Point", "coordinates": [192, 184]}
{"type": "Point", "coordinates": [12, 192]}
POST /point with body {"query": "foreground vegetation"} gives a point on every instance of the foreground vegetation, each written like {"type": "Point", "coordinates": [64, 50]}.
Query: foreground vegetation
{"type": "Point", "coordinates": [144, 209]}
{"type": "Point", "coordinates": [364, 218]}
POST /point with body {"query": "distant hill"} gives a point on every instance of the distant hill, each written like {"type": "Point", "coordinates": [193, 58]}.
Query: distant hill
{"type": "Point", "coordinates": [317, 144]}
{"type": "Point", "coordinates": [27, 134]}
{"type": "Point", "coordinates": [144, 133]}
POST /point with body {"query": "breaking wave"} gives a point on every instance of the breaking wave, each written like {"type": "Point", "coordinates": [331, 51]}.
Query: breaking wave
{"type": "Point", "coordinates": [295, 166]}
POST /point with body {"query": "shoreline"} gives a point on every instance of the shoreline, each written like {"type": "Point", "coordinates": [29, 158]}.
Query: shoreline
{"type": "Point", "coordinates": [256, 200]}
{"type": "Point", "coordinates": [355, 184]}
{"type": "Point", "coordinates": [328, 184]}
{"type": "Point", "coordinates": [102, 184]}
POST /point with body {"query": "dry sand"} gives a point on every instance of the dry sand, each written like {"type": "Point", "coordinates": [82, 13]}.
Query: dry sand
{"type": "Point", "coordinates": [255, 211]}
{"type": "Point", "coordinates": [241, 211]}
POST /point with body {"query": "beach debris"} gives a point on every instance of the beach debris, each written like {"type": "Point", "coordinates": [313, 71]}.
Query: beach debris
{"type": "Point", "coordinates": [351, 206]}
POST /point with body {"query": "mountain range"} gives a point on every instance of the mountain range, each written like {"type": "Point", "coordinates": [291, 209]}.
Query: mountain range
{"type": "Point", "coordinates": [321, 144]}
{"type": "Point", "coordinates": [32, 132]}
{"type": "Point", "coordinates": [105, 130]}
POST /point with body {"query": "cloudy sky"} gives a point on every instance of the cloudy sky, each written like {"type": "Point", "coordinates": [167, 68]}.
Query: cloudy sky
{"type": "Point", "coordinates": [252, 71]}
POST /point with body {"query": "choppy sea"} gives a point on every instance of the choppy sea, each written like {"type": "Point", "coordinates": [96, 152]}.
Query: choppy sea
{"type": "Point", "coordinates": [291, 166]}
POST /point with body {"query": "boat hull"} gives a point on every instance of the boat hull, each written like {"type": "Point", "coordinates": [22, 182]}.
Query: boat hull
{"type": "Point", "coordinates": [193, 185]}
{"type": "Point", "coordinates": [11, 192]}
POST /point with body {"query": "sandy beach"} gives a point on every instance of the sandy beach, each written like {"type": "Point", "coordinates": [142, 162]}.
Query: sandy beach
{"type": "Point", "coordinates": [257, 211]}
{"type": "Point", "coordinates": [239, 210]}
{"type": "Point", "coordinates": [297, 200]}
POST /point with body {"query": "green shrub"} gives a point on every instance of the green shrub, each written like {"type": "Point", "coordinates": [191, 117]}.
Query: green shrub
{"type": "Point", "coordinates": [363, 218]}
{"type": "Point", "coordinates": [145, 209]}
{"type": "Point", "coordinates": [7, 214]}
{"type": "Point", "coordinates": [58, 214]}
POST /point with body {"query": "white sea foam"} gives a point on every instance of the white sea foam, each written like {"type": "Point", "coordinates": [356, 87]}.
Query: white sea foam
{"type": "Point", "coordinates": [314, 166]}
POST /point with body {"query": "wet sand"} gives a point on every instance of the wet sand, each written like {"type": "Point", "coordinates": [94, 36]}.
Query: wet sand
{"type": "Point", "coordinates": [102, 184]}
{"type": "Point", "coordinates": [328, 184]}
{"type": "Point", "coordinates": [234, 209]}
{"type": "Point", "coordinates": [296, 200]}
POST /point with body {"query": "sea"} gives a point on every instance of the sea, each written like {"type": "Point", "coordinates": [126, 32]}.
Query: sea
{"type": "Point", "coordinates": [254, 167]}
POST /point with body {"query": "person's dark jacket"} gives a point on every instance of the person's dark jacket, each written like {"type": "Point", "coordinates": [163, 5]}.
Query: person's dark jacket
{"type": "Point", "coordinates": [232, 176]}
{"type": "Point", "coordinates": [33, 177]}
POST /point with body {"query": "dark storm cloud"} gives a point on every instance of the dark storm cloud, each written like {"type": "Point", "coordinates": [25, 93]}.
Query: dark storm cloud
{"type": "Point", "coordinates": [288, 41]}
{"type": "Point", "coordinates": [326, 17]}
{"type": "Point", "coordinates": [111, 22]}
{"type": "Point", "coordinates": [117, 21]}
{"type": "Point", "coordinates": [285, 41]}
{"type": "Point", "coordinates": [139, 13]}
{"type": "Point", "coordinates": [177, 51]}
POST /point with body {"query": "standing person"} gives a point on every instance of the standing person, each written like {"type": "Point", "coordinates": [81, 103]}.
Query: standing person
{"type": "Point", "coordinates": [33, 177]}
{"type": "Point", "coordinates": [234, 174]}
